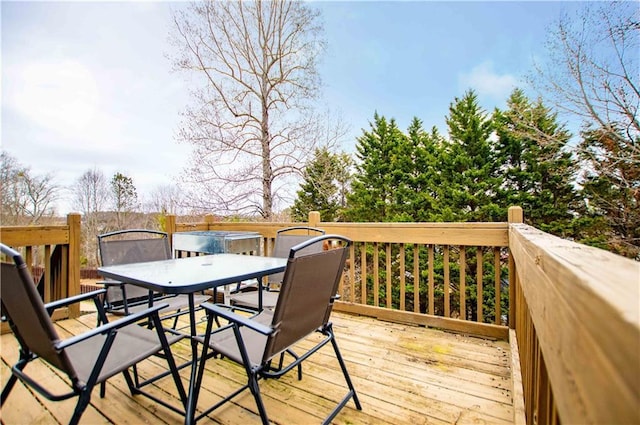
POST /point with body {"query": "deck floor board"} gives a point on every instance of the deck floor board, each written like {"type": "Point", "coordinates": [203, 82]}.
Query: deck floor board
{"type": "Point", "coordinates": [403, 374]}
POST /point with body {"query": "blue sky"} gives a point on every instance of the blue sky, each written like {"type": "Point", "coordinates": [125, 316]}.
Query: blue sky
{"type": "Point", "coordinates": [88, 84]}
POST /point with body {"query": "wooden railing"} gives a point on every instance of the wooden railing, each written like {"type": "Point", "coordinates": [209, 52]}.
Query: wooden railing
{"type": "Point", "coordinates": [57, 250]}
{"type": "Point", "coordinates": [449, 275]}
{"type": "Point", "coordinates": [570, 312]}
{"type": "Point", "coordinates": [577, 325]}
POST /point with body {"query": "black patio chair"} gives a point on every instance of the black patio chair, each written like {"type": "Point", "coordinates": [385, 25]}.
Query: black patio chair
{"type": "Point", "coordinates": [286, 239]}
{"type": "Point", "coordinates": [304, 306]}
{"type": "Point", "coordinates": [135, 246]}
{"type": "Point", "coordinates": [87, 359]}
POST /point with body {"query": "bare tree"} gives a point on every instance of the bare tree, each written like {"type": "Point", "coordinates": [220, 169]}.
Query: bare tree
{"type": "Point", "coordinates": [166, 199]}
{"type": "Point", "coordinates": [12, 200]}
{"type": "Point", "coordinates": [90, 197]}
{"type": "Point", "coordinates": [26, 198]}
{"type": "Point", "coordinates": [253, 122]}
{"type": "Point", "coordinates": [592, 71]}
{"type": "Point", "coordinates": [40, 193]}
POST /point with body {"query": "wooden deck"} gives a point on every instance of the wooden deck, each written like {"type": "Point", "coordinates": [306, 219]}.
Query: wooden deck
{"type": "Point", "coordinates": [403, 374]}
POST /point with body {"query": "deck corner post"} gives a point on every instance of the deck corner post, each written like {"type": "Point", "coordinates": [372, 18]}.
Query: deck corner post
{"type": "Point", "coordinates": [74, 221]}
{"type": "Point", "coordinates": [170, 227]}
{"type": "Point", "coordinates": [515, 215]}
{"type": "Point", "coordinates": [314, 218]}
{"type": "Point", "coordinates": [208, 219]}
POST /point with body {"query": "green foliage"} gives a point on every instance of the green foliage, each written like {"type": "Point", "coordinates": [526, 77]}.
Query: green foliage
{"type": "Point", "coordinates": [371, 197]}
{"type": "Point", "coordinates": [326, 179]}
{"type": "Point", "coordinates": [124, 192]}
{"type": "Point", "coordinates": [161, 220]}
{"type": "Point", "coordinates": [468, 164]}
{"type": "Point", "coordinates": [611, 188]}
{"type": "Point", "coordinates": [537, 171]}
{"type": "Point", "coordinates": [488, 163]}
{"type": "Point", "coordinates": [125, 197]}
{"type": "Point", "coordinates": [397, 177]}
{"type": "Point", "coordinates": [417, 175]}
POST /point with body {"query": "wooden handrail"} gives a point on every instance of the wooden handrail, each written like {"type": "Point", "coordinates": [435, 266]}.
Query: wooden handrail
{"type": "Point", "coordinates": [399, 256]}
{"type": "Point", "coordinates": [573, 309]}
{"type": "Point", "coordinates": [61, 276]}
{"type": "Point", "coordinates": [578, 328]}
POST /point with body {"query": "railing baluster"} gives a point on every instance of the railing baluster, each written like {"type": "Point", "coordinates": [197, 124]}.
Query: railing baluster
{"type": "Point", "coordinates": [479, 286]}
{"type": "Point", "coordinates": [376, 274]}
{"type": "Point", "coordinates": [463, 283]}
{"type": "Point", "coordinates": [447, 302]}
{"type": "Point", "coordinates": [416, 278]}
{"type": "Point", "coordinates": [402, 278]}
{"type": "Point", "coordinates": [431, 282]}
{"type": "Point", "coordinates": [496, 258]}
{"type": "Point", "coordinates": [352, 273]}
{"type": "Point", "coordinates": [389, 293]}
{"type": "Point", "coordinates": [46, 269]}
{"type": "Point", "coordinates": [363, 270]}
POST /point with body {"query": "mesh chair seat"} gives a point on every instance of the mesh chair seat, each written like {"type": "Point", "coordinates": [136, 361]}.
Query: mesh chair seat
{"type": "Point", "coordinates": [133, 344]}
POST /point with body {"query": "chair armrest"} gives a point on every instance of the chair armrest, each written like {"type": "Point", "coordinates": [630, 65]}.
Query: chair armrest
{"type": "Point", "coordinates": [53, 305]}
{"type": "Point", "coordinates": [236, 318]}
{"type": "Point", "coordinates": [117, 324]}
{"type": "Point", "coordinates": [110, 283]}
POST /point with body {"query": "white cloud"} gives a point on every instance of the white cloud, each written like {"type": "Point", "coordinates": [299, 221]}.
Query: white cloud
{"type": "Point", "coordinates": [61, 97]}
{"type": "Point", "coordinates": [487, 82]}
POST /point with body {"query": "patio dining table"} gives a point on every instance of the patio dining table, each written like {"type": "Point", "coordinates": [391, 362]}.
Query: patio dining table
{"type": "Point", "coordinates": [189, 276]}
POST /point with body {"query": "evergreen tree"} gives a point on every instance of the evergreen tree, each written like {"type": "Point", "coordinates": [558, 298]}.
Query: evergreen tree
{"type": "Point", "coordinates": [325, 179]}
{"type": "Point", "coordinates": [611, 186]}
{"type": "Point", "coordinates": [536, 170]}
{"type": "Point", "coordinates": [124, 196]}
{"type": "Point", "coordinates": [372, 197]}
{"type": "Point", "coordinates": [417, 174]}
{"type": "Point", "coordinates": [468, 165]}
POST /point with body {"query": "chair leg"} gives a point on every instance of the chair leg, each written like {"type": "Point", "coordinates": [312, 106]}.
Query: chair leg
{"type": "Point", "coordinates": [7, 389]}
{"type": "Point", "coordinates": [347, 378]}
{"type": "Point", "coordinates": [136, 379]}
{"type": "Point", "coordinates": [83, 402]}
{"type": "Point", "coordinates": [255, 390]}
{"type": "Point", "coordinates": [22, 363]}
{"type": "Point", "coordinates": [133, 387]}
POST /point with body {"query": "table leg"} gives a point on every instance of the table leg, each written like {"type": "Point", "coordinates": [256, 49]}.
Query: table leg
{"type": "Point", "coordinates": [191, 399]}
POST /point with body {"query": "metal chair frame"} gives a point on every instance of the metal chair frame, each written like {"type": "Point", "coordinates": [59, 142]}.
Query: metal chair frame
{"type": "Point", "coordinates": [30, 321]}
{"type": "Point", "coordinates": [272, 333]}
{"type": "Point", "coordinates": [150, 245]}
{"type": "Point", "coordinates": [286, 238]}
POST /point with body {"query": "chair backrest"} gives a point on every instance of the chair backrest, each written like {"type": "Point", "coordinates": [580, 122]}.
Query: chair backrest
{"type": "Point", "coordinates": [307, 293]}
{"type": "Point", "coordinates": [289, 237]}
{"type": "Point", "coordinates": [28, 317]}
{"type": "Point", "coordinates": [132, 246]}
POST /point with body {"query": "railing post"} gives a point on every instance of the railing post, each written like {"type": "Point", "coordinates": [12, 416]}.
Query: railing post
{"type": "Point", "coordinates": [514, 215]}
{"type": "Point", "coordinates": [74, 221]}
{"type": "Point", "coordinates": [170, 227]}
{"type": "Point", "coordinates": [314, 218]}
{"type": "Point", "coordinates": [208, 219]}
